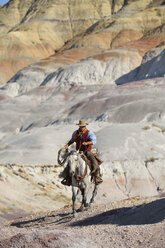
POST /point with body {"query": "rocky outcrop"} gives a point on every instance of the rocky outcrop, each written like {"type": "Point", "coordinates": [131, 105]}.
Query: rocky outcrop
{"type": "Point", "coordinates": [42, 27]}
{"type": "Point", "coordinates": [23, 188]}
{"type": "Point", "coordinates": [34, 30]}
{"type": "Point", "coordinates": [152, 66]}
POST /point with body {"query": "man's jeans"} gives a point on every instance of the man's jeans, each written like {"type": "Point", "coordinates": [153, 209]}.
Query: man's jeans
{"type": "Point", "coordinates": [93, 160]}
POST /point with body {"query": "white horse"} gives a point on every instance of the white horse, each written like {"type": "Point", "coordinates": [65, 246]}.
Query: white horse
{"type": "Point", "coordinates": [81, 178]}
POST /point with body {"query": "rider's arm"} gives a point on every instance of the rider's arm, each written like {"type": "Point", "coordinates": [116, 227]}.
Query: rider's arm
{"type": "Point", "coordinates": [91, 139]}
{"type": "Point", "coordinates": [71, 141]}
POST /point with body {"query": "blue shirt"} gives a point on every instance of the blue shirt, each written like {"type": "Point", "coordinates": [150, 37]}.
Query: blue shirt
{"type": "Point", "coordinates": [91, 136]}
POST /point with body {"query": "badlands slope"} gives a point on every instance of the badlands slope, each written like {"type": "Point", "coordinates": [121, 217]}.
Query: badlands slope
{"type": "Point", "coordinates": [108, 68]}
{"type": "Point", "coordinates": [33, 30]}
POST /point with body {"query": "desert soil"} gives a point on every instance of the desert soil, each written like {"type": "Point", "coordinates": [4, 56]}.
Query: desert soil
{"type": "Point", "coordinates": [134, 222]}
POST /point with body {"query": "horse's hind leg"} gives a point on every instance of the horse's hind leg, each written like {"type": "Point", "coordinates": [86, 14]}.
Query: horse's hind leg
{"type": "Point", "coordinates": [73, 201]}
{"type": "Point", "coordinates": [93, 195]}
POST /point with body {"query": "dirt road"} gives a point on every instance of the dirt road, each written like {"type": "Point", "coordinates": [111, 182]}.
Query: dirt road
{"type": "Point", "coordinates": [135, 222]}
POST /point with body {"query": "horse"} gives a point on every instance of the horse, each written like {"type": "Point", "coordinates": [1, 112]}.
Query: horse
{"type": "Point", "coordinates": [80, 178]}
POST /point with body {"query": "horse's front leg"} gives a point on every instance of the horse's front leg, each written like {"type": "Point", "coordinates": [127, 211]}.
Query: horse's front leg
{"type": "Point", "coordinates": [93, 195]}
{"type": "Point", "coordinates": [73, 201]}
{"type": "Point", "coordinates": [84, 199]}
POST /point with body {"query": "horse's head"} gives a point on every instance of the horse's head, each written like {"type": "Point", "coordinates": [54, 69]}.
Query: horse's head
{"type": "Point", "coordinates": [62, 156]}
{"type": "Point", "coordinates": [73, 160]}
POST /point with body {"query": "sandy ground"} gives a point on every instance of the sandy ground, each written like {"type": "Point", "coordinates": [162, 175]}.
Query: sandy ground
{"type": "Point", "coordinates": [134, 222]}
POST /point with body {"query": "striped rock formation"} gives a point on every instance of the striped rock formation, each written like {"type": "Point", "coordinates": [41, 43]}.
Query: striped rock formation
{"type": "Point", "coordinates": [37, 29]}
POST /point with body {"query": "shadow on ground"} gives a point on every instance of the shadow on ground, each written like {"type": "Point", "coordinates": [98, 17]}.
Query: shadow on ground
{"type": "Point", "coordinates": [53, 219]}
{"type": "Point", "coordinates": [150, 213]}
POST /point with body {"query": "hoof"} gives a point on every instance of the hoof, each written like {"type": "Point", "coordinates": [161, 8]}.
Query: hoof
{"type": "Point", "coordinates": [80, 209]}
{"type": "Point", "coordinates": [90, 204]}
{"type": "Point", "coordinates": [74, 214]}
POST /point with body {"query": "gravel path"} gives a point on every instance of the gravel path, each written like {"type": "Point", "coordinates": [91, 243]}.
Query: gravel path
{"type": "Point", "coordinates": [135, 222]}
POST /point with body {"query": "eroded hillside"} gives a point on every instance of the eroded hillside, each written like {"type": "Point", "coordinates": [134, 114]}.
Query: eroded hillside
{"type": "Point", "coordinates": [34, 30]}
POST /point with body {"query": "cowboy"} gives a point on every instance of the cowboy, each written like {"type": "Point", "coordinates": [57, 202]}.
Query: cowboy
{"type": "Point", "coordinates": [84, 140]}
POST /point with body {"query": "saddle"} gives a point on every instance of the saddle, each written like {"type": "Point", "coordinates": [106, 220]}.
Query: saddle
{"type": "Point", "coordinates": [94, 151]}
{"type": "Point", "coordinates": [84, 157]}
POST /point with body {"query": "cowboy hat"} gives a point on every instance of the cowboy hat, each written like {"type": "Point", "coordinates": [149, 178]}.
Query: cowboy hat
{"type": "Point", "coordinates": [82, 123]}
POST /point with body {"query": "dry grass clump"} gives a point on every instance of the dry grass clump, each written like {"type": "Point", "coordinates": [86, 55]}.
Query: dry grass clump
{"type": "Point", "coordinates": [4, 147]}
{"type": "Point", "coordinates": [152, 159]}
{"type": "Point", "coordinates": [146, 127]}
{"type": "Point", "coordinates": [156, 125]}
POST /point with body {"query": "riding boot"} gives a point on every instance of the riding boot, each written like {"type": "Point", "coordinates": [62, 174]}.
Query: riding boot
{"type": "Point", "coordinates": [97, 176]}
{"type": "Point", "coordinates": [95, 173]}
